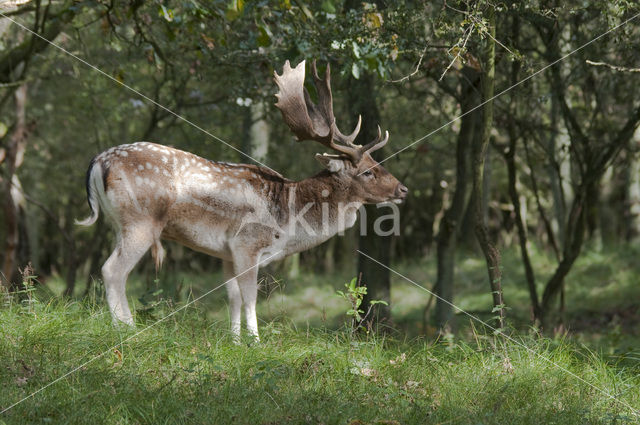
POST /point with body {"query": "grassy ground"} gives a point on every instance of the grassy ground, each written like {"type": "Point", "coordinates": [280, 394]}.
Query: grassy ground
{"type": "Point", "coordinates": [186, 370]}
{"type": "Point", "coordinates": [309, 368]}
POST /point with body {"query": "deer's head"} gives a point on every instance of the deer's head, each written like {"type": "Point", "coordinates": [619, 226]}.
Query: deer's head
{"type": "Point", "coordinates": [351, 164]}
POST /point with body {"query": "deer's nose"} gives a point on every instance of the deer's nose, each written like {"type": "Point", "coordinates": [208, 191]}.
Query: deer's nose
{"type": "Point", "coordinates": [402, 191]}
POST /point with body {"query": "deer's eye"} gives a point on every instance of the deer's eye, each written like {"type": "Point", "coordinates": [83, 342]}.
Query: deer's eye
{"type": "Point", "coordinates": [368, 173]}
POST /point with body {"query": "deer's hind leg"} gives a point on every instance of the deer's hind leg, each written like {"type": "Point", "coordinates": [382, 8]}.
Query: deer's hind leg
{"type": "Point", "coordinates": [132, 244]}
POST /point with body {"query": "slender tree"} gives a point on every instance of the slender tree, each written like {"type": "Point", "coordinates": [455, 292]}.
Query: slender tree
{"type": "Point", "coordinates": [450, 224]}
{"type": "Point", "coordinates": [491, 252]}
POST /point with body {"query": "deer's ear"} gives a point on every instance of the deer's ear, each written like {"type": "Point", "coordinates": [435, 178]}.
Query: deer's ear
{"type": "Point", "coordinates": [331, 163]}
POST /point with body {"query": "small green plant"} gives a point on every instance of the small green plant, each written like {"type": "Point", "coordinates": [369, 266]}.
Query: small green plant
{"type": "Point", "coordinates": [27, 288]}
{"type": "Point", "coordinates": [354, 295]}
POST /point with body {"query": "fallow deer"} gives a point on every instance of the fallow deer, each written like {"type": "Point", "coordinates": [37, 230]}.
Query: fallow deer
{"type": "Point", "coordinates": [242, 214]}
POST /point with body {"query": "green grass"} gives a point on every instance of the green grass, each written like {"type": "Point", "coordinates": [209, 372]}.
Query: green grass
{"type": "Point", "coordinates": [602, 292]}
{"type": "Point", "coordinates": [187, 370]}
{"type": "Point", "coordinates": [310, 369]}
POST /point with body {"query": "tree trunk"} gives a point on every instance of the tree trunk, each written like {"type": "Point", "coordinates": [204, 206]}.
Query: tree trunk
{"type": "Point", "coordinates": [434, 205]}
{"type": "Point", "coordinates": [486, 185]}
{"type": "Point", "coordinates": [14, 156]}
{"type": "Point", "coordinates": [491, 253]}
{"type": "Point", "coordinates": [97, 244]}
{"type": "Point", "coordinates": [557, 170]}
{"type": "Point", "coordinates": [574, 239]}
{"type": "Point", "coordinates": [522, 230]}
{"type": "Point", "coordinates": [548, 226]}
{"type": "Point", "coordinates": [510, 159]}
{"type": "Point", "coordinates": [259, 132]}
{"type": "Point", "coordinates": [632, 195]}
{"type": "Point", "coordinates": [362, 101]}
{"type": "Point", "coordinates": [376, 278]}
{"type": "Point", "coordinates": [70, 255]}
{"type": "Point", "coordinates": [448, 228]}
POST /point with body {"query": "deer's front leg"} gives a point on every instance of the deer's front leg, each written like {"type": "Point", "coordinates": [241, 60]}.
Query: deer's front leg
{"type": "Point", "coordinates": [246, 270]}
{"type": "Point", "coordinates": [235, 298]}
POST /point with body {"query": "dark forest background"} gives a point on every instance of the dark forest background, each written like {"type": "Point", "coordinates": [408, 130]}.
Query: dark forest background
{"type": "Point", "coordinates": [548, 169]}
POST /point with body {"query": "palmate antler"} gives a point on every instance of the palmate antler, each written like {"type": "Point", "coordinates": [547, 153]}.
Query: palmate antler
{"type": "Point", "coordinates": [309, 121]}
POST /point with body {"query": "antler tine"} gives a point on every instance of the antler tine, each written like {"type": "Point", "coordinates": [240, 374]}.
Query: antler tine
{"type": "Point", "coordinates": [377, 143]}
{"type": "Point", "coordinates": [325, 103]}
{"type": "Point", "coordinates": [348, 140]}
{"type": "Point", "coordinates": [325, 98]}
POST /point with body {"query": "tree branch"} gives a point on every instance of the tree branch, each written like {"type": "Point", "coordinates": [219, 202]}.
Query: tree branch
{"type": "Point", "coordinates": [614, 67]}
{"type": "Point", "coordinates": [33, 45]}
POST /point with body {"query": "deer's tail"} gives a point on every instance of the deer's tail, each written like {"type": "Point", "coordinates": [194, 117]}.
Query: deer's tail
{"type": "Point", "coordinates": [95, 190]}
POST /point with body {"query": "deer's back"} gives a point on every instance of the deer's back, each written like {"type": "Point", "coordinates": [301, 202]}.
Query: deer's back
{"type": "Point", "coordinates": [195, 201]}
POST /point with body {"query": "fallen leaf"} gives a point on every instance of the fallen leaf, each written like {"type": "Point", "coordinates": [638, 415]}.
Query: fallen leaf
{"type": "Point", "coordinates": [400, 359]}
{"type": "Point", "coordinates": [368, 372]}
{"type": "Point", "coordinates": [506, 365]}
{"type": "Point", "coordinates": [411, 384]}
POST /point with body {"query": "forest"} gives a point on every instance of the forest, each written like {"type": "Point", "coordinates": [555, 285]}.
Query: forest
{"type": "Point", "coordinates": [505, 291]}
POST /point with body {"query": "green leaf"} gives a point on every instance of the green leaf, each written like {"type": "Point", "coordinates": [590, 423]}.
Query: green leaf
{"type": "Point", "coordinates": [234, 9]}
{"type": "Point", "coordinates": [356, 49]}
{"type": "Point", "coordinates": [351, 286]}
{"type": "Point", "coordinates": [264, 38]}
{"type": "Point", "coordinates": [382, 70]}
{"type": "Point", "coordinates": [3, 129]}
{"type": "Point", "coordinates": [167, 13]}
{"type": "Point", "coordinates": [328, 6]}
{"type": "Point", "coordinates": [355, 71]}
{"type": "Point", "coordinates": [498, 308]}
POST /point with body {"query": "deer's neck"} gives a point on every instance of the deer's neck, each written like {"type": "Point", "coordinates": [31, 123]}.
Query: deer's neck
{"type": "Point", "coordinates": [317, 208]}
{"type": "Point", "coordinates": [324, 186]}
